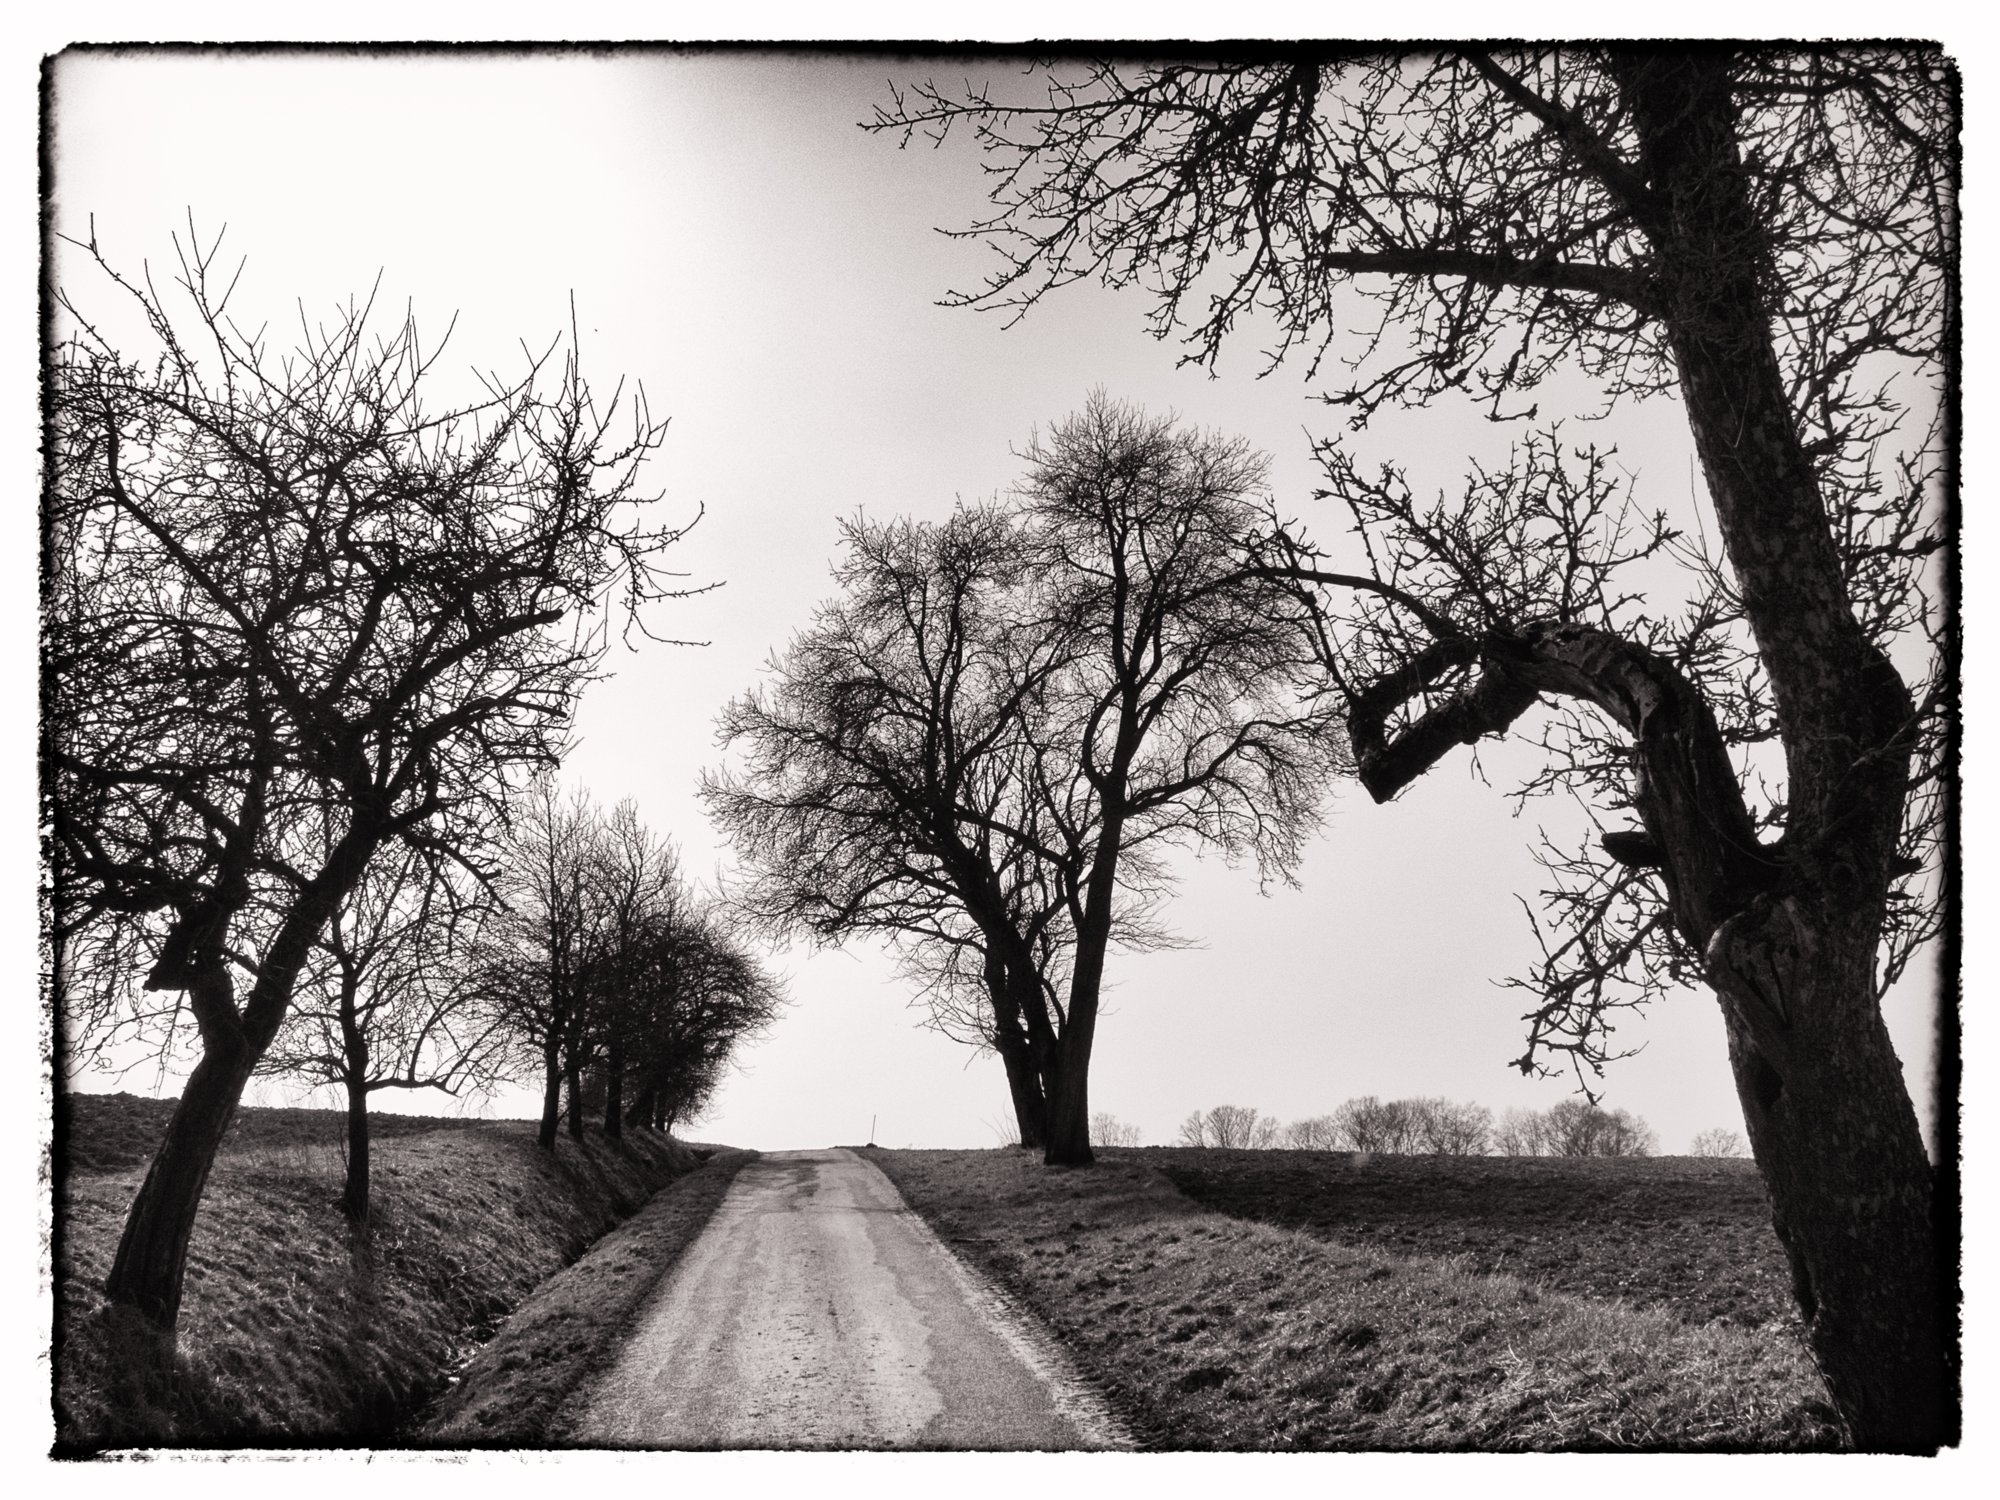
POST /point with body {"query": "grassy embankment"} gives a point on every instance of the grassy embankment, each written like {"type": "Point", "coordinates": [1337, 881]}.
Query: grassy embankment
{"type": "Point", "coordinates": [513, 1391]}
{"type": "Point", "coordinates": [1320, 1300]}
{"type": "Point", "coordinates": [294, 1328]}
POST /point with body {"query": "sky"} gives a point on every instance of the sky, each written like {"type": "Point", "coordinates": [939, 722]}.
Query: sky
{"type": "Point", "coordinates": [770, 274]}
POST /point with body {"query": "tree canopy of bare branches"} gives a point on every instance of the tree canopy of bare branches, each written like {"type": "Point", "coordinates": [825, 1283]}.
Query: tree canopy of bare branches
{"type": "Point", "coordinates": [1771, 236]}
{"type": "Point", "coordinates": [294, 617]}
{"type": "Point", "coordinates": [989, 742]}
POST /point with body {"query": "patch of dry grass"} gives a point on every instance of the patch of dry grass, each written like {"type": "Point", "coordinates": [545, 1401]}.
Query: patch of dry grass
{"type": "Point", "coordinates": [1208, 1331]}
{"type": "Point", "coordinates": [297, 1329]}
{"type": "Point", "coordinates": [512, 1392]}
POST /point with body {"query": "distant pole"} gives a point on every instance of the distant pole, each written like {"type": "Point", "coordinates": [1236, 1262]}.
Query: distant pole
{"type": "Point", "coordinates": [871, 1129]}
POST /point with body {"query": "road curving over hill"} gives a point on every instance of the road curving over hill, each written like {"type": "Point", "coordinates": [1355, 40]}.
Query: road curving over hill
{"type": "Point", "coordinates": [817, 1311]}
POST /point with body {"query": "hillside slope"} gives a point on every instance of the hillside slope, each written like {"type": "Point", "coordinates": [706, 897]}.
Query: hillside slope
{"type": "Point", "coordinates": [295, 1330]}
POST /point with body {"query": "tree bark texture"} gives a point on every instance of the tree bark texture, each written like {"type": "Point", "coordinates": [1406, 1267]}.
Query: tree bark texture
{"type": "Point", "coordinates": [1828, 1112]}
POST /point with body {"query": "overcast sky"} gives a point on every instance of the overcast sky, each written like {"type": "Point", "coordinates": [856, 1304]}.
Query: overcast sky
{"type": "Point", "coordinates": [769, 273]}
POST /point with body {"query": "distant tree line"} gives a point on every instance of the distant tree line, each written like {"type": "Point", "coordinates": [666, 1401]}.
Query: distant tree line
{"type": "Point", "coordinates": [1428, 1126]}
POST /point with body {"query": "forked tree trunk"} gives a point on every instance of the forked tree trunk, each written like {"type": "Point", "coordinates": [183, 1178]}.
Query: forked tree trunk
{"type": "Point", "coordinates": [1829, 1115]}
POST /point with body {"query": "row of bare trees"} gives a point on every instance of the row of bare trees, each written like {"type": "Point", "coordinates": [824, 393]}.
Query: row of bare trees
{"type": "Point", "coordinates": [307, 634]}
{"type": "Point", "coordinates": [585, 963]}
{"type": "Point", "coordinates": [603, 966]}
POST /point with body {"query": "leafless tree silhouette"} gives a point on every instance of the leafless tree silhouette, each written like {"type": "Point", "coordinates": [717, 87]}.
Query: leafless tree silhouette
{"type": "Point", "coordinates": [986, 744]}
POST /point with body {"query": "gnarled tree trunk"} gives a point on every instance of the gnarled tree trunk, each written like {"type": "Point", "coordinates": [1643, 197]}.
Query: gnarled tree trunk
{"type": "Point", "coordinates": [151, 1263]}
{"type": "Point", "coordinates": [1829, 1115]}
{"type": "Point", "coordinates": [148, 1270]}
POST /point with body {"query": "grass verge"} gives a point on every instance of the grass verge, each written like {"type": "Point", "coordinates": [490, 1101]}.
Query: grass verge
{"type": "Point", "coordinates": [1207, 1331]}
{"type": "Point", "coordinates": [513, 1391]}
{"type": "Point", "coordinates": [295, 1328]}
{"type": "Point", "coordinates": [1690, 1236]}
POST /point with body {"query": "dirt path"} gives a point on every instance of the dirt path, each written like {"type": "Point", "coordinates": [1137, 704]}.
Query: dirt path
{"type": "Point", "coordinates": [817, 1311]}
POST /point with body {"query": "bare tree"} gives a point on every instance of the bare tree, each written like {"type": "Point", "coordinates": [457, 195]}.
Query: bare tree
{"type": "Point", "coordinates": [643, 894]}
{"type": "Point", "coordinates": [1369, 1124]}
{"type": "Point", "coordinates": [282, 594]}
{"type": "Point", "coordinates": [886, 785]}
{"type": "Point", "coordinates": [694, 996]}
{"type": "Point", "coordinates": [1177, 720]}
{"type": "Point", "coordinates": [987, 743]}
{"type": "Point", "coordinates": [385, 1005]}
{"type": "Point", "coordinates": [540, 953]}
{"type": "Point", "coordinates": [1717, 1142]}
{"type": "Point", "coordinates": [1577, 1128]}
{"type": "Point", "coordinates": [1522, 1132]}
{"type": "Point", "coordinates": [1770, 234]}
{"type": "Point", "coordinates": [1452, 1129]}
{"type": "Point", "coordinates": [1320, 1133]}
{"type": "Point", "coordinates": [1109, 1130]}
{"type": "Point", "coordinates": [1238, 1128]}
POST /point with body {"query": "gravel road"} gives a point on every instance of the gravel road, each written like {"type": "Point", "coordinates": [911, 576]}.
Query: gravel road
{"type": "Point", "coordinates": [817, 1311]}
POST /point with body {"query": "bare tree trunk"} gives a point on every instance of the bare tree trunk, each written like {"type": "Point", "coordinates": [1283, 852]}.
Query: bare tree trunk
{"type": "Point", "coordinates": [354, 1196]}
{"type": "Point", "coordinates": [1016, 1049]}
{"type": "Point", "coordinates": [1068, 1139]}
{"type": "Point", "coordinates": [614, 1089]}
{"type": "Point", "coordinates": [354, 1043]}
{"type": "Point", "coordinates": [147, 1273]}
{"type": "Point", "coordinates": [545, 1138]}
{"type": "Point", "coordinates": [573, 1082]}
{"type": "Point", "coordinates": [1834, 1135]}
{"type": "Point", "coordinates": [1829, 1115]}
